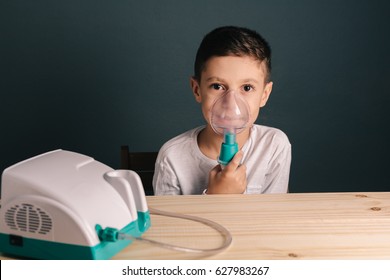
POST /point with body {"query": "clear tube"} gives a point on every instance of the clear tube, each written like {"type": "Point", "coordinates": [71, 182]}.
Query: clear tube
{"type": "Point", "coordinates": [225, 233]}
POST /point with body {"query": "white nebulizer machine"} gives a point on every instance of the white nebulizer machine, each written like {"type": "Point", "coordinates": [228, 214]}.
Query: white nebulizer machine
{"type": "Point", "coordinates": [61, 205]}
{"type": "Point", "coordinates": [65, 205]}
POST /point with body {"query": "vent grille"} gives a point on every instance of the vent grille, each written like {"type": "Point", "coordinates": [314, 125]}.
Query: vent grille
{"type": "Point", "coordinates": [28, 218]}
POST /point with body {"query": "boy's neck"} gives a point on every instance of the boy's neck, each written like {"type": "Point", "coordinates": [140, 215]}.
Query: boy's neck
{"type": "Point", "coordinates": [210, 142]}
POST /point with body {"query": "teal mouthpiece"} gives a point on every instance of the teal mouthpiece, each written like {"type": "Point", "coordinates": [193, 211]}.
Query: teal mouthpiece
{"type": "Point", "coordinates": [228, 148]}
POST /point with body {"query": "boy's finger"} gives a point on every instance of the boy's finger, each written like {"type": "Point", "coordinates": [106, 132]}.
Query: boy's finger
{"type": "Point", "coordinates": [235, 162]}
{"type": "Point", "coordinates": [216, 169]}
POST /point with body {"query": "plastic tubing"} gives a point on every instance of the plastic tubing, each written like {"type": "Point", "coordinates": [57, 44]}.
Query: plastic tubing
{"type": "Point", "coordinates": [224, 232]}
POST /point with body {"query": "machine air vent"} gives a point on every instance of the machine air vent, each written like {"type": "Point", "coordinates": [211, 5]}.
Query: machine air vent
{"type": "Point", "coordinates": [28, 218]}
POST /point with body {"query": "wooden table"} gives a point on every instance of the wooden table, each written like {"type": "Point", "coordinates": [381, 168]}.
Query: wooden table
{"type": "Point", "coordinates": [276, 226]}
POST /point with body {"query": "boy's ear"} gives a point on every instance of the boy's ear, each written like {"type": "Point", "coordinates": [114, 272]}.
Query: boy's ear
{"type": "Point", "coordinates": [195, 89]}
{"type": "Point", "coordinates": [266, 94]}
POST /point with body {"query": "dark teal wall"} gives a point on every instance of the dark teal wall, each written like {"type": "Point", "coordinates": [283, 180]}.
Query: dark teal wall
{"type": "Point", "coordinates": [89, 76]}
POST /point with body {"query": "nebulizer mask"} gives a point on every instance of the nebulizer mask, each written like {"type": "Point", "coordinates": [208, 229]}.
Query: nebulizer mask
{"type": "Point", "coordinates": [229, 116]}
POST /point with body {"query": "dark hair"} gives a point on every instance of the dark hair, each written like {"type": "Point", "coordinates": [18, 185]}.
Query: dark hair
{"type": "Point", "coordinates": [231, 40]}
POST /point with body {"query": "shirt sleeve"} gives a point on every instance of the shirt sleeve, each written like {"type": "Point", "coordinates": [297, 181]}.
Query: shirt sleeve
{"type": "Point", "coordinates": [165, 181]}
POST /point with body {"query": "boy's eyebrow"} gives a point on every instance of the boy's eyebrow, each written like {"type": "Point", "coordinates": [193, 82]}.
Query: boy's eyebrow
{"type": "Point", "coordinates": [249, 80]}
{"type": "Point", "coordinates": [213, 78]}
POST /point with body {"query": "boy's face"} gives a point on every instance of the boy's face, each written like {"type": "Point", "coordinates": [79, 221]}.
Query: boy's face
{"type": "Point", "coordinates": [244, 75]}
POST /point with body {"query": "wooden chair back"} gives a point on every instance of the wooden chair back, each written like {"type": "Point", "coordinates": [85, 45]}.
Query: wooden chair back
{"type": "Point", "coordinates": [142, 163]}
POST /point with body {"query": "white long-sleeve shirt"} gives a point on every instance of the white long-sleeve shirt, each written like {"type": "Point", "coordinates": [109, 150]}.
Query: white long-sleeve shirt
{"type": "Point", "coordinates": [181, 168]}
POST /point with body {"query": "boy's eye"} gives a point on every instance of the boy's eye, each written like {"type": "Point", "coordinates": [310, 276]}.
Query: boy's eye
{"type": "Point", "coordinates": [217, 86]}
{"type": "Point", "coordinates": [247, 88]}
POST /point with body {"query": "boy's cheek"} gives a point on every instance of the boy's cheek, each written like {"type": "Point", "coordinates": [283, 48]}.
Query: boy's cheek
{"type": "Point", "coordinates": [254, 114]}
{"type": "Point", "coordinates": [206, 113]}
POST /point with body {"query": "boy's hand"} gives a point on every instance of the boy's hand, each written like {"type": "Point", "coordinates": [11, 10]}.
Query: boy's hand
{"type": "Point", "coordinates": [230, 180]}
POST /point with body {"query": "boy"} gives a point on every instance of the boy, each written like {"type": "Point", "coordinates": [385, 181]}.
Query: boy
{"type": "Point", "coordinates": [229, 58]}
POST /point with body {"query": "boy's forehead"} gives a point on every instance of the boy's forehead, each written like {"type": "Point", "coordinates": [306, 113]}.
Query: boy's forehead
{"type": "Point", "coordinates": [240, 67]}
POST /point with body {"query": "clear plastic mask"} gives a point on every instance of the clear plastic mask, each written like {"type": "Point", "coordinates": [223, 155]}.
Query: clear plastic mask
{"type": "Point", "coordinates": [229, 116]}
{"type": "Point", "coordinates": [229, 113]}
